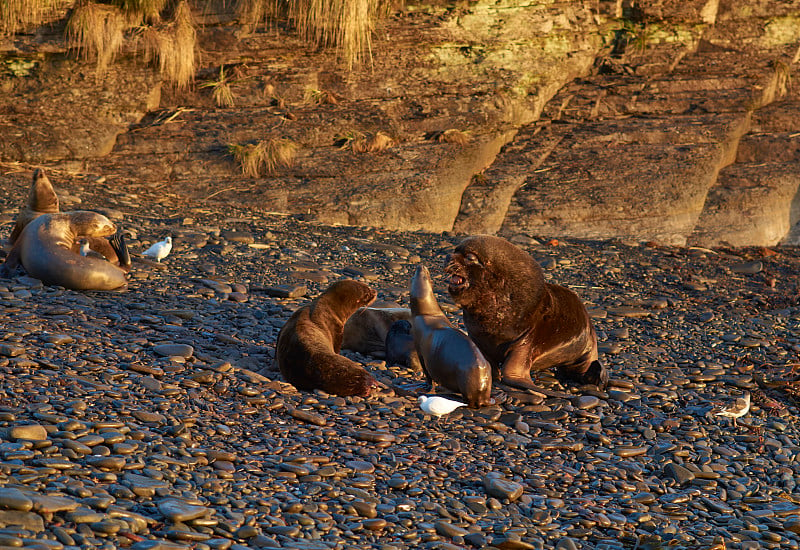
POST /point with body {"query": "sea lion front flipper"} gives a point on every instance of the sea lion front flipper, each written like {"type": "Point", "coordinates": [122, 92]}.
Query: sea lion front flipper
{"type": "Point", "coordinates": [11, 264]}
{"type": "Point", "coordinates": [516, 373]}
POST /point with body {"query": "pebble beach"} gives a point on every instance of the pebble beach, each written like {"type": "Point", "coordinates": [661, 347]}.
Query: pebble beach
{"type": "Point", "coordinates": [156, 419]}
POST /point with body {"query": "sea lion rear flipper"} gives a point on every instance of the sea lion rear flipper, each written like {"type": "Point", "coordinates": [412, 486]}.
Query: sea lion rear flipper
{"type": "Point", "coordinates": [121, 248]}
{"type": "Point", "coordinates": [596, 374]}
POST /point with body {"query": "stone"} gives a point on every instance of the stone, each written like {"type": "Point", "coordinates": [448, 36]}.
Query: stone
{"type": "Point", "coordinates": [502, 488]}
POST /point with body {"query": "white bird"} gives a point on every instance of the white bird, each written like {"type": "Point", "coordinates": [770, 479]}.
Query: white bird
{"type": "Point", "coordinates": [159, 250]}
{"type": "Point", "coordinates": [85, 248]}
{"type": "Point", "coordinates": [736, 409]}
{"type": "Point", "coordinates": [438, 406]}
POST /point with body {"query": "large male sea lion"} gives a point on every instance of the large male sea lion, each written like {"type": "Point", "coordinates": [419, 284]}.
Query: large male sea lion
{"type": "Point", "coordinates": [45, 249]}
{"type": "Point", "coordinates": [520, 323]}
{"type": "Point", "coordinates": [309, 343]}
{"type": "Point", "coordinates": [447, 355]}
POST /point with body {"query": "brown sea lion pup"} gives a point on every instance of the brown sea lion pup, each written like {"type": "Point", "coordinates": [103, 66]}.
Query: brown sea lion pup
{"type": "Point", "coordinates": [309, 343]}
{"type": "Point", "coordinates": [520, 323]}
{"type": "Point", "coordinates": [42, 199]}
{"type": "Point", "coordinates": [365, 331]}
{"type": "Point", "coordinates": [447, 355]}
{"type": "Point", "coordinates": [44, 249]}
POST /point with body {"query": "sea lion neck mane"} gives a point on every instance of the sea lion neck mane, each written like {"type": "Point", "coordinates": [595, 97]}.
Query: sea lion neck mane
{"type": "Point", "coordinates": [514, 276]}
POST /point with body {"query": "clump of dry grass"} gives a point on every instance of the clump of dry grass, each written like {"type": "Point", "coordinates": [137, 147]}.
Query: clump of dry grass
{"type": "Point", "coordinates": [314, 96]}
{"type": "Point", "coordinates": [16, 15]}
{"type": "Point", "coordinates": [220, 89]}
{"type": "Point", "coordinates": [97, 30]}
{"type": "Point", "coordinates": [457, 137]}
{"type": "Point", "coordinates": [264, 156]}
{"type": "Point", "coordinates": [173, 47]}
{"type": "Point", "coordinates": [147, 10]}
{"type": "Point", "coordinates": [359, 142]}
{"type": "Point", "coordinates": [254, 12]}
{"type": "Point", "coordinates": [380, 142]}
{"type": "Point", "coordinates": [346, 25]}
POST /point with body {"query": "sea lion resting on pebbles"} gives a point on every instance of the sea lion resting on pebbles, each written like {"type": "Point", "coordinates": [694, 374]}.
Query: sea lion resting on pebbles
{"type": "Point", "coordinates": [520, 323]}
{"type": "Point", "coordinates": [447, 355]}
{"type": "Point", "coordinates": [42, 199]}
{"type": "Point", "coordinates": [308, 344]}
{"type": "Point", "coordinates": [365, 331]}
{"type": "Point", "coordinates": [45, 249]}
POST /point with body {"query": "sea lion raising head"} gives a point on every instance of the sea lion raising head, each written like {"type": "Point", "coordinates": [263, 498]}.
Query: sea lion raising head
{"type": "Point", "coordinates": [308, 345]}
{"type": "Point", "coordinates": [45, 249]}
{"type": "Point", "coordinates": [520, 322]}
{"type": "Point", "coordinates": [447, 355]}
{"type": "Point", "coordinates": [42, 199]}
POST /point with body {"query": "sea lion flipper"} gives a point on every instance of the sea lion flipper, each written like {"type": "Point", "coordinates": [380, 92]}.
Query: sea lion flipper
{"type": "Point", "coordinates": [11, 264]}
{"type": "Point", "coordinates": [117, 242]}
{"type": "Point", "coordinates": [596, 374]}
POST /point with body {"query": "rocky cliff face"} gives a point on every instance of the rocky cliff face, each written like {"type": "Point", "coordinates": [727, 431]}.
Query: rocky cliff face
{"type": "Point", "coordinates": [668, 121]}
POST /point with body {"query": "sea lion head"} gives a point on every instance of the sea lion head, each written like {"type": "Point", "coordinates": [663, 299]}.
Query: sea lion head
{"type": "Point", "coordinates": [42, 196]}
{"type": "Point", "coordinates": [488, 272]}
{"type": "Point", "coordinates": [423, 302]}
{"type": "Point", "coordinates": [351, 292]}
{"type": "Point", "coordinates": [90, 224]}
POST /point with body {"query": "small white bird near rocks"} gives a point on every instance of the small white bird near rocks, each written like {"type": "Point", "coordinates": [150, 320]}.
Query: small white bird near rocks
{"type": "Point", "coordinates": [159, 250]}
{"type": "Point", "coordinates": [438, 406]}
{"type": "Point", "coordinates": [736, 409]}
{"type": "Point", "coordinates": [85, 248]}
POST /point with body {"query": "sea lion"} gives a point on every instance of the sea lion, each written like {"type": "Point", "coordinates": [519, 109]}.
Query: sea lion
{"type": "Point", "coordinates": [365, 331]}
{"type": "Point", "coordinates": [400, 349]}
{"type": "Point", "coordinates": [44, 249]}
{"type": "Point", "coordinates": [42, 199]}
{"type": "Point", "coordinates": [520, 322]}
{"type": "Point", "coordinates": [308, 345]}
{"type": "Point", "coordinates": [447, 355]}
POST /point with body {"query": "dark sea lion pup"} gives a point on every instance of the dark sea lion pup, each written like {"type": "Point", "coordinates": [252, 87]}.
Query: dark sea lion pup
{"type": "Point", "coordinates": [45, 249]}
{"type": "Point", "coordinates": [520, 323]}
{"type": "Point", "coordinates": [309, 343]}
{"type": "Point", "coordinates": [447, 355]}
{"type": "Point", "coordinates": [399, 346]}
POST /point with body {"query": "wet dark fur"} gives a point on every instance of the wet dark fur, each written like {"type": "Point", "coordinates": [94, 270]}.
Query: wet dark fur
{"type": "Point", "coordinates": [400, 346]}
{"type": "Point", "coordinates": [309, 343]}
{"type": "Point", "coordinates": [519, 322]}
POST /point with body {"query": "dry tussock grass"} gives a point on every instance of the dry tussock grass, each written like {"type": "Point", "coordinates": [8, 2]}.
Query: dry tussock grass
{"type": "Point", "coordinates": [256, 12]}
{"type": "Point", "coordinates": [16, 15]}
{"type": "Point", "coordinates": [147, 10]}
{"type": "Point", "coordinates": [346, 25]}
{"type": "Point", "coordinates": [457, 137]}
{"type": "Point", "coordinates": [97, 30]}
{"type": "Point", "coordinates": [359, 142]}
{"type": "Point", "coordinates": [173, 47]}
{"type": "Point", "coordinates": [264, 156]}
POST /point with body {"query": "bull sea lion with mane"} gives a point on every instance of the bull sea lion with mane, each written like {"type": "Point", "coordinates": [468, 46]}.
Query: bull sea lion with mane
{"type": "Point", "coordinates": [45, 248]}
{"type": "Point", "coordinates": [308, 345]}
{"type": "Point", "coordinates": [520, 322]}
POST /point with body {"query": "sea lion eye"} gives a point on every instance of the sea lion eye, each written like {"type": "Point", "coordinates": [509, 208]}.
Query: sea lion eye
{"type": "Point", "coordinates": [471, 258]}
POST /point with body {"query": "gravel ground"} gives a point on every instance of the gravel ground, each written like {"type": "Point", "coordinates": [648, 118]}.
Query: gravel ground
{"type": "Point", "coordinates": [155, 418]}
